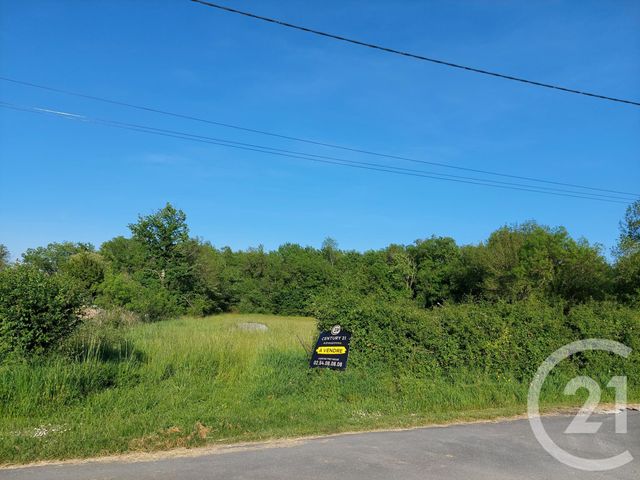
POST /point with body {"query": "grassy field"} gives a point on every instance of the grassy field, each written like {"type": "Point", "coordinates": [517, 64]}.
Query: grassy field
{"type": "Point", "coordinates": [194, 381]}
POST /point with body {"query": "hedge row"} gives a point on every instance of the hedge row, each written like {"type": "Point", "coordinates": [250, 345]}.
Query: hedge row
{"type": "Point", "coordinates": [505, 339]}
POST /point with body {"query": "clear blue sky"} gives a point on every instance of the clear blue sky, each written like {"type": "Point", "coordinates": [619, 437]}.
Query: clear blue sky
{"type": "Point", "coordinates": [63, 180]}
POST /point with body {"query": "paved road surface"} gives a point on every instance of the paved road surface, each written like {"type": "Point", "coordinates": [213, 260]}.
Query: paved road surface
{"type": "Point", "coordinates": [491, 451]}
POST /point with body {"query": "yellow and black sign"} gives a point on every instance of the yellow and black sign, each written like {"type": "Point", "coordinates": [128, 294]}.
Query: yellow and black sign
{"type": "Point", "coordinates": [332, 349]}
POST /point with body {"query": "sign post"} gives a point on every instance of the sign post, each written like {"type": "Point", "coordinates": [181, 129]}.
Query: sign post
{"type": "Point", "coordinates": [331, 350]}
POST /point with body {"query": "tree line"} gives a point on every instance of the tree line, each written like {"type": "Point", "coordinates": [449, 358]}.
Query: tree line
{"type": "Point", "coordinates": [161, 271]}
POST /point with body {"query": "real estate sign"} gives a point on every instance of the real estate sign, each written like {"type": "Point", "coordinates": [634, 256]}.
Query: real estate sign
{"type": "Point", "coordinates": [331, 350]}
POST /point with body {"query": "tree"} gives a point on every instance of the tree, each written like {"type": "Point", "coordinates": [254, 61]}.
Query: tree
{"type": "Point", "coordinates": [627, 278]}
{"type": "Point", "coordinates": [211, 293]}
{"type": "Point", "coordinates": [583, 273]}
{"type": "Point", "coordinates": [388, 273]}
{"type": "Point", "coordinates": [296, 273]}
{"type": "Point", "coordinates": [629, 241]}
{"type": "Point", "coordinates": [528, 260]}
{"type": "Point", "coordinates": [505, 277]}
{"type": "Point", "coordinates": [124, 254]}
{"type": "Point", "coordinates": [4, 257]}
{"type": "Point", "coordinates": [469, 273]}
{"type": "Point", "coordinates": [330, 250]}
{"type": "Point", "coordinates": [436, 259]}
{"type": "Point", "coordinates": [162, 234]}
{"type": "Point", "coordinates": [627, 267]}
{"type": "Point", "coordinates": [246, 272]}
{"type": "Point", "coordinates": [152, 302]}
{"type": "Point", "coordinates": [171, 260]}
{"type": "Point", "coordinates": [402, 267]}
{"type": "Point", "coordinates": [86, 270]}
{"type": "Point", "coordinates": [50, 259]}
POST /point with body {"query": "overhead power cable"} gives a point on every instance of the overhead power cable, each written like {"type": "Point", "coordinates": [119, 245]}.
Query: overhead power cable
{"type": "Point", "coordinates": [305, 156]}
{"type": "Point", "coordinates": [414, 55]}
{"type": "Point", "coordinates": [308, 141]}
{"type": "Point", "coordinates": [297, 154]}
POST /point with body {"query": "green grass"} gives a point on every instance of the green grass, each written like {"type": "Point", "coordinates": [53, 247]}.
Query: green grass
{"type": "Point", "coordinates": [194, 381]}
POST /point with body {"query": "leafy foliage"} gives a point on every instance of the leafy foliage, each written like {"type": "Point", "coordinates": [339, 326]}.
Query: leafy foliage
{"type": "Point", "coordinates": [627, 268]}
{"type": "Point", "coordinates": [86, 270]}
{"type": "Point", "coordinates": [152, 302]}
{"type": "Point", "coordinates": [160, 272]}
{"type": "Point", "coordinates": [162, 236]}
{"type": "Point", "coordinates": [435, 325]}
{"type": "Point", "coordinates": [627, 278]}
{"type": "Point", "coordinates": [516, 263]}
{"type": "Point", "coordinates": [630, 230]}
{"type": "Point", "coordinates": [51, 258]}
{"type": "Point", "coordinates": [498, 339]}
{"type": "Point", "coordinates": [36, 310]}
{"type": "Point", "coordinates": [436, 259]}
{"type": "Point", "coordinates": [4, 257]}
{"type": "Point", "coordinates": [123, 254]}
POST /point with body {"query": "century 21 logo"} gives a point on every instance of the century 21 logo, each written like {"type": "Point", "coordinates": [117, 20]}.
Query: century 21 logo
{"type": "Point", "coordinates": [580, 423]}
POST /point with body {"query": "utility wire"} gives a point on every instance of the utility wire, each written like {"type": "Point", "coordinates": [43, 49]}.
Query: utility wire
{"type": "Point", "coordinates": [308, 141]}
{"type": "Point", "coordinates": [298, 155]}
{"type": "Point", "coordinates": [413, 55]}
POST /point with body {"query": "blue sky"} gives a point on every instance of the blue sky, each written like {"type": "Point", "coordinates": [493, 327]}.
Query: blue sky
{"type": "Point", "coordinates": [64, 180]}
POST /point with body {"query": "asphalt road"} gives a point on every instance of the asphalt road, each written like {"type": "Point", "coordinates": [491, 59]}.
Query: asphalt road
{"type": "Point", "coordinates": [505, 450]}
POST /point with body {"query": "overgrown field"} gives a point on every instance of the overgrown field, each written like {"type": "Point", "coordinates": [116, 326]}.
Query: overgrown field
{"type": "Point", "coordinates": [196, 381]}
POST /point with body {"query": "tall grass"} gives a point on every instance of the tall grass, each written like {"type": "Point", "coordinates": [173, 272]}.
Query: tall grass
{"type": "Point", "coordinates": [194, 381]}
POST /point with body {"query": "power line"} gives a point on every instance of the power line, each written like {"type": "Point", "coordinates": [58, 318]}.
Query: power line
{"type": "Point", "coordinates": [297, 154]}
{"type": "Point", "coordinates": [413, 55]}
{"type": "Point", "coordinates": [308, 141]}
{"type": "Point", "coordinates": [300, 155]}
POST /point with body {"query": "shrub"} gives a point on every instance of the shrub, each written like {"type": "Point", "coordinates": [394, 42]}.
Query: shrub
{"type": "Point", "coordinates": [86, 270]}
{"type": "Point", "coordinates": [627, 278]}
{"type": "Point", "coordinates": [37, 310]}
{"type": "Point", "coordinates": [385, 333]}
{"type": "Point", "coordinates": [151, 302]}
{"type": "Point", "coordinates": [503, 340]}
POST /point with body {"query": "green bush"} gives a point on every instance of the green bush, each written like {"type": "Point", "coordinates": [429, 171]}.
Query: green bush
{"type": "Point", "coordinates": [627, 278]}
{"type": "Point", "coordinates": [502, 340]}
{"type": "Point", "coordinates": [86, 270]}
{"type": "Point", "coordinates": [385, 333]}
{"type": "Point", "coordinates": [152, 302]}
{"type": "Point", "coordinates": [37, 310]}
